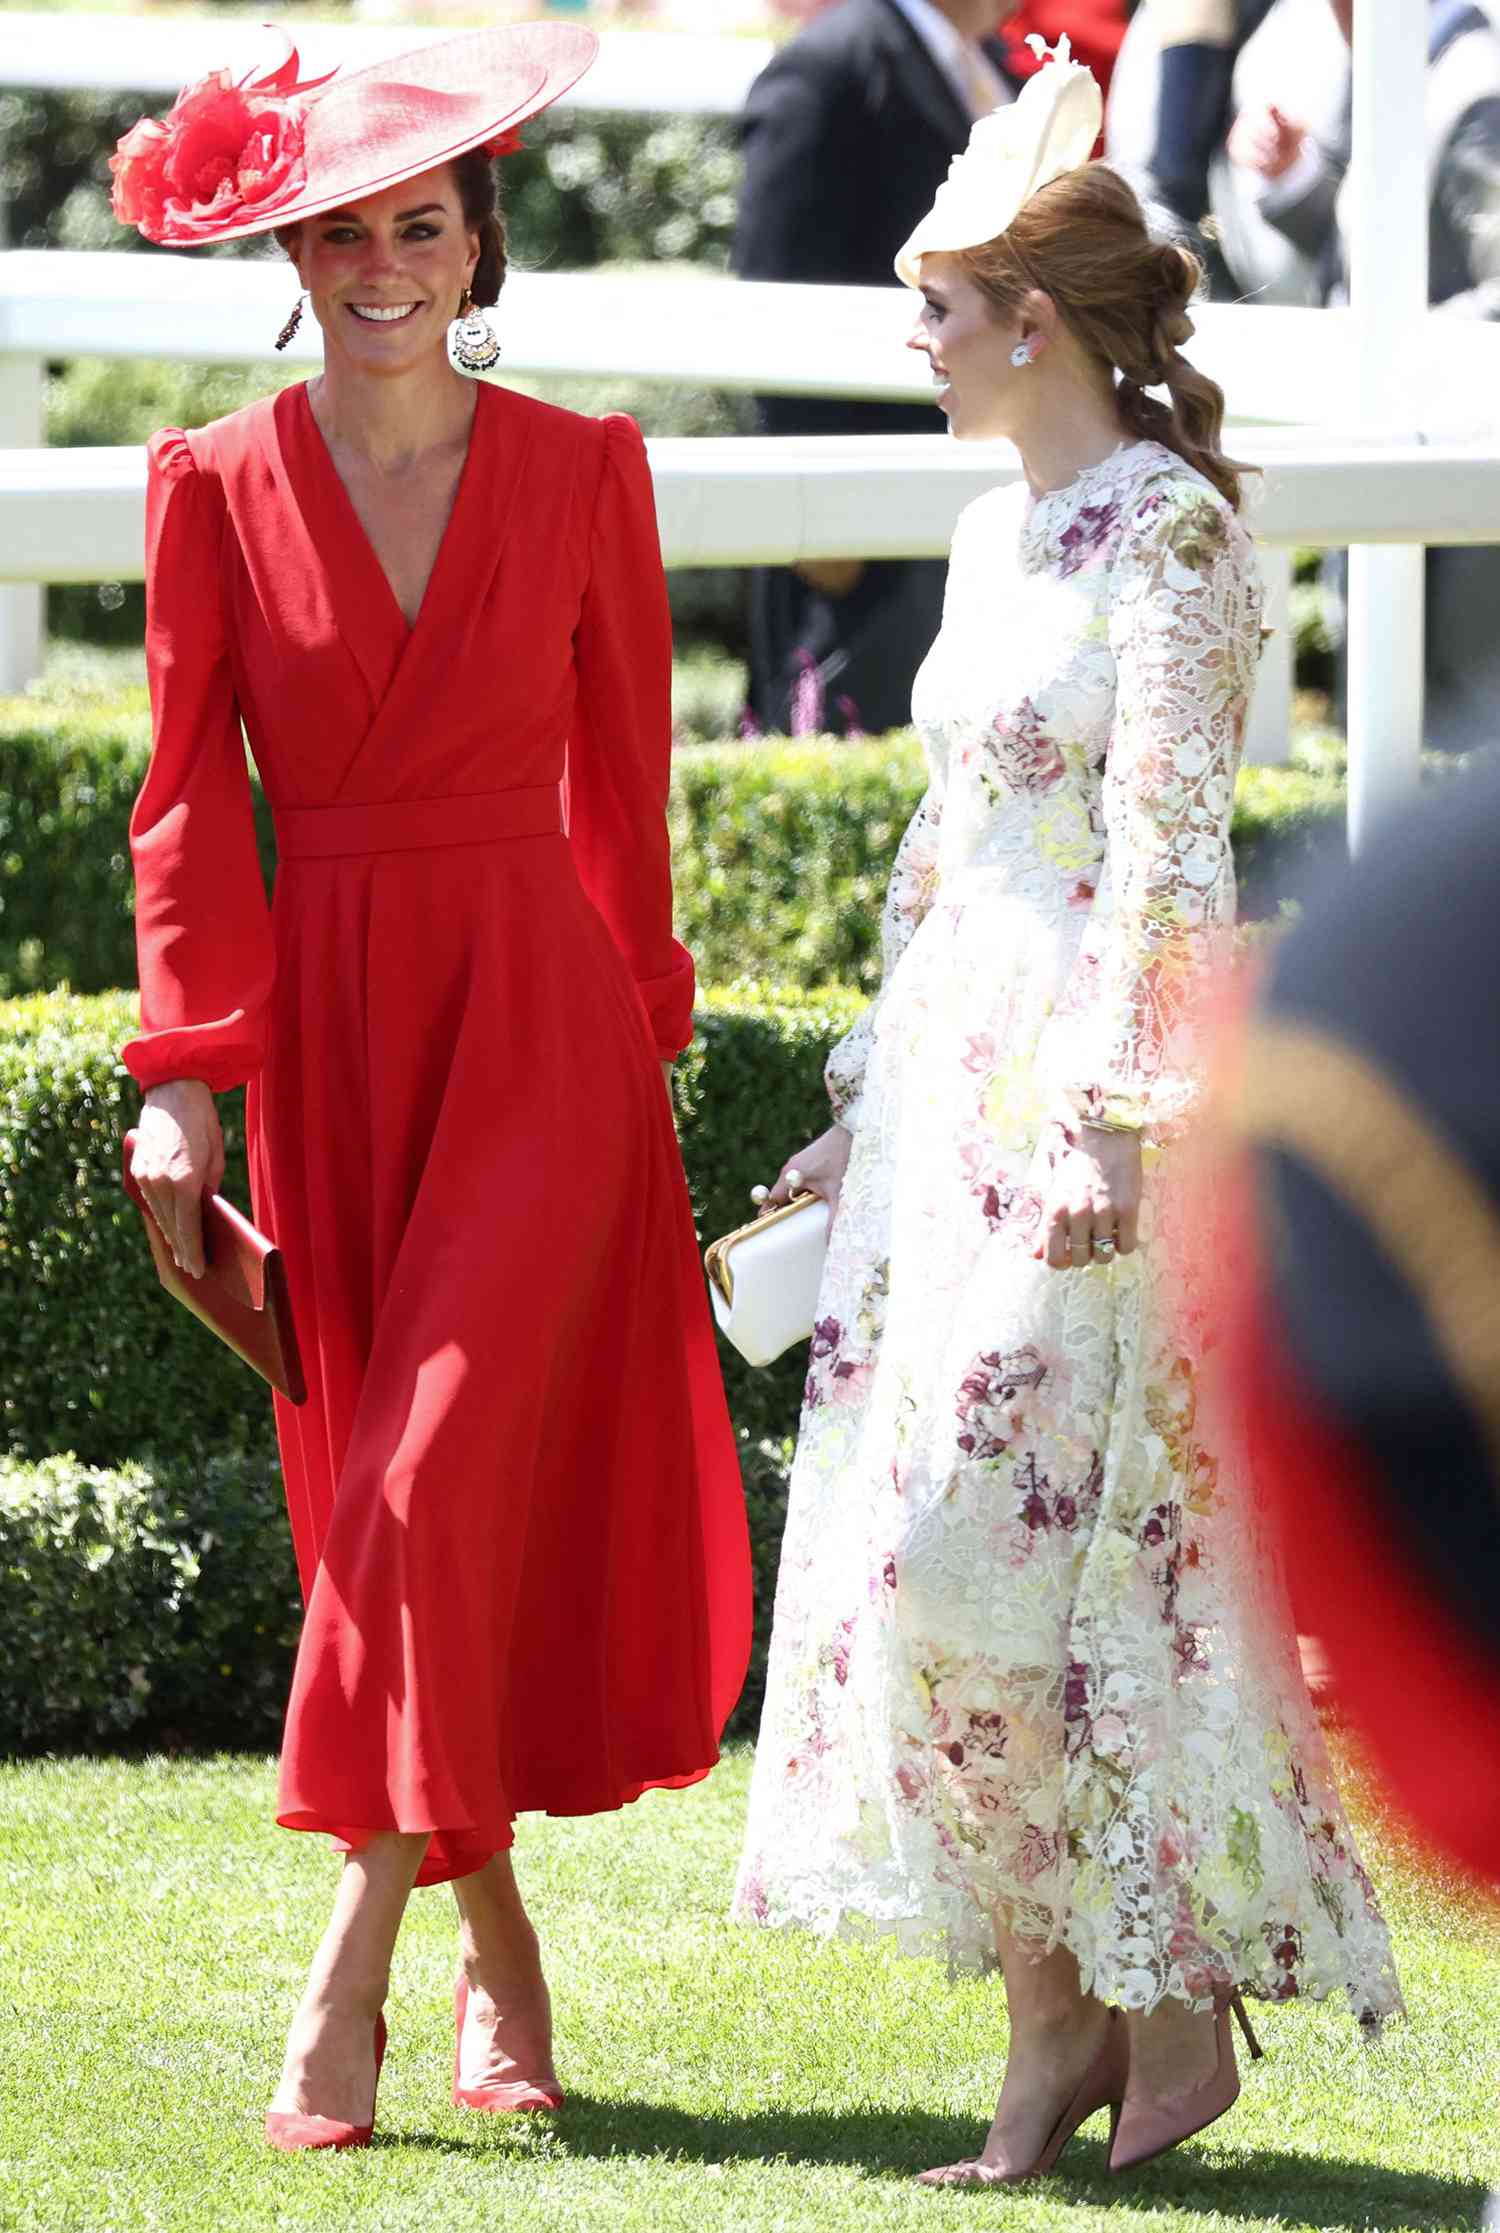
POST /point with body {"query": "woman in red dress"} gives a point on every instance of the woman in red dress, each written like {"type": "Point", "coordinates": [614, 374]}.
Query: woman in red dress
{"type": "Point", "coordinates": [438, 612]}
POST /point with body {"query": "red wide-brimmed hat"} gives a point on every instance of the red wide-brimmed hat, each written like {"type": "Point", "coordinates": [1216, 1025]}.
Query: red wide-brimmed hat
{"type": "Point", "coordinates": [234, 157]}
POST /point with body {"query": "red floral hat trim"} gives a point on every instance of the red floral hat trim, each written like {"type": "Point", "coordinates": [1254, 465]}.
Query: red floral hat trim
{"type": "Point", "coordinates": [223, 151]}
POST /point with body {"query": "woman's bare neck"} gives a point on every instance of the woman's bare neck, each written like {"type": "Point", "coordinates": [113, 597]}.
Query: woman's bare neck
{"type": "Point", "coordinates": [390, 423]}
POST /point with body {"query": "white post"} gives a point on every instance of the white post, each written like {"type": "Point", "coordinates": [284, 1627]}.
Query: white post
{"type": "Point", "coordinates": [1386, 212]}
{"type": "Point", "coordinates": [1268, 740]}
{"type": "Point", "coordinates": [22, 604]}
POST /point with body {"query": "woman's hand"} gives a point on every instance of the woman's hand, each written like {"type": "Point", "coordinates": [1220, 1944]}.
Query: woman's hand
{"type": "Point", "coordinates": [819, 1169]}
{"type": "Point", "coordinates": [179, 1157]}
{"type": "Point", "coordinates": [1091, 1199]}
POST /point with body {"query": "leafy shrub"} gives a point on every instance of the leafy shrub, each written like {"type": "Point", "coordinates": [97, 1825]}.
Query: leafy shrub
{"type": "Point", "coordinates": [782, 850]}
{"type": "Point", "coordinates": [96, 1361]}
{"type": "Point", "coordinates": [158, 1603]}
{"type": "Point", "coordinates": [158, 1600]}
{"type": "Point", "coordinates": [99, 1363]}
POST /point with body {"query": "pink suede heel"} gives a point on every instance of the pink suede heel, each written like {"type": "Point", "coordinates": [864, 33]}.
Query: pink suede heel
{"type": "Point", "coordinates": [1149, 2128]}
{"type": "Point", "coordinates": [500, 2100]}
{"type": "Point", "coordinates": [292, 2130]}
{"type": "Point", "coordinates": [1102, 2086]}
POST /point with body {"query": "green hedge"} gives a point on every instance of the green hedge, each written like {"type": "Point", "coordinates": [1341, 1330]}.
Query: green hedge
{"type": "Point", "coordinates": [98, 1363]}
{"type": "Point", "coordinates": [144, 1557]}
{"type": "Point", "coordinates": [158, 1601]}
{"type": "Point", "coordinates": [782, 850]}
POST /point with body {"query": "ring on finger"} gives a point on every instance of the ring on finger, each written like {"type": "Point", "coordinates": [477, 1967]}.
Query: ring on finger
{"type": "Point", "coordinates": [1105, 1245]}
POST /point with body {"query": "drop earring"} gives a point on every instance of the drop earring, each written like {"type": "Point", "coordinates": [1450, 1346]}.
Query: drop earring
{"type": "Point", "coordinates": [292, 323]}
{"type": "Point", "coordinates": [475, 348]}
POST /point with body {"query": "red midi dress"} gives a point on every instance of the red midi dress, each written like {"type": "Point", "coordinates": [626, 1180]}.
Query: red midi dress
{"type": "Point", "coordinates": [513, 1489]}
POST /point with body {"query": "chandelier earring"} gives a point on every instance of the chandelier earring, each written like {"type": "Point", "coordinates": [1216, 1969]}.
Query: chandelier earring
{"type": "Point", "coordinates": [475, 348]}
{"type": "Point", "coordinates": [292, 323]}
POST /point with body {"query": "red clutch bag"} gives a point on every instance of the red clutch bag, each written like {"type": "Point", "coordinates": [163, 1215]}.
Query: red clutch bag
{"type": "Point", "coordinates": [242, 1296]}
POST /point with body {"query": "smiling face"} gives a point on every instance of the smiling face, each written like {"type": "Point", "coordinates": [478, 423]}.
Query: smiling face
{"type": "Point", "coordinates": [968, 342]}
{"type": "Point", "coordinates": [385, 275]}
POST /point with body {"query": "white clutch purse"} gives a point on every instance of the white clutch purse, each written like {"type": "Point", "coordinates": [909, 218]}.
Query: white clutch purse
{"type": "Point", "coordinates": [764, 1279]}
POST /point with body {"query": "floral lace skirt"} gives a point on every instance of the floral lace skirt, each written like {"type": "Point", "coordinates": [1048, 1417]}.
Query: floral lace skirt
{"type": "Point", "coordinates": [1030, 1657]}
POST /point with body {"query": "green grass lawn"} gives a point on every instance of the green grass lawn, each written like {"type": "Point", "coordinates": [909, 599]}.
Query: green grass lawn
{"type": "Point", "coordinates": [153, 1929]}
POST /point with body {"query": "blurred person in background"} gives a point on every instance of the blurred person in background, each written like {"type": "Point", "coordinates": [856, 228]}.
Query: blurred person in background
{"type": "Point", "coordinates": [848, 134]}
{"type": "Point", "coordinates": [1367, 1087]}
{"type": "Point", "coordinates": [1031, 1696]}
{"type": "Point", "coordinates": [1185, 72]}
{"type": "Point", "coordinates": [1296, 178]}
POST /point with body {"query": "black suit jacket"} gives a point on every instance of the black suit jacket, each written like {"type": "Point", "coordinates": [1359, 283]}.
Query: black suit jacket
{"type": "Point", "coordinates": [848, 134]}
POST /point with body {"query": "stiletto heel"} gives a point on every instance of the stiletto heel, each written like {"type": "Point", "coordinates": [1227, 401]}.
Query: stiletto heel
{"type": "Point", "coordinates": [291, 2130]}
{"type": "Point", "coordinates": [1237, 2003]}
{"type": "Point", "coordinates": [497, 2098]}
{"type": "Point", "coordinates": [1150, 2128]}
{"type": "Point", "coordinates": [1102, 2086]}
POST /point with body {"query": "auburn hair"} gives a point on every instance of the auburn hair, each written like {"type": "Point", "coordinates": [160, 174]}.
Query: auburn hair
{"type": "Point", "coordinates": [1083, 240]}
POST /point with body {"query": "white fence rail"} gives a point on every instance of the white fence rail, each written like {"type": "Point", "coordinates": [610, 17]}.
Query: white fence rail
{"type": "Point", "coordinates": [648, 72]}
{"type": "Point", "coordinates": [77, 515]}
{"type": "Point", "coordinates": [1281, 366]}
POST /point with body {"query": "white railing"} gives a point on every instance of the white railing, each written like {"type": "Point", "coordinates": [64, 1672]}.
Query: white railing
{"type": "Point", "coordinates": [697, 329]}
{"type": "Point", "coordinates": [72, 517]}
{"type": "Point", "coordinates": [646, 72]}
{"type": "Point", "coordinates": [77, 515]}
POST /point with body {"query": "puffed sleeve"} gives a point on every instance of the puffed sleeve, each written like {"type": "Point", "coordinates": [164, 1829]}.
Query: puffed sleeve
{"type": "Point", "coordinates": [1123, 1047]}
{"type": "Point", "coordinates": [909, 897]}
{"type": "Point", "coordinates": [620, 745]}
{"type": "Point", "coordinates": [202, 926]}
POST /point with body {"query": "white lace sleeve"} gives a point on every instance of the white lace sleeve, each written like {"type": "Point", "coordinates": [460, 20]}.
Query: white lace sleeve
{"type": "Point", "coordinates": [1184, 625]}
{"type": "Point", "coordinates": [909, 896]}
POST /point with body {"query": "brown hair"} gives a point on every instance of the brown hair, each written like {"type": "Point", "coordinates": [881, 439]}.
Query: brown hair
{"type": "Point", "coordinates": [478, 187]}
{"type": "Point", "coordinates": [1083, 241]}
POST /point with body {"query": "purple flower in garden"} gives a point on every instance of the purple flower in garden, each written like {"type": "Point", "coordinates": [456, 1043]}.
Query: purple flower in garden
{"type": "Point", "coordinates": [807, 697]}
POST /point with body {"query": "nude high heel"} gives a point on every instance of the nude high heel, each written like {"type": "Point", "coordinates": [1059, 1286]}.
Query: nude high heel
{"type": "Point", "coordinates": [1149, 2128]}
{"type": "Point", "coordinates": [1102, 2086]}
{"type": "Point", "coordinates": [291, 2130]}
{"type": "Point", "coordinates": [499, 2099]}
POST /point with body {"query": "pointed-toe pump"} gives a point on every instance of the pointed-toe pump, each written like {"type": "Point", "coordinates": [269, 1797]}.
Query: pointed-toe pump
{"type": "Point", "coordinates": [292, 2130]}
{"type": "Point", "coordinates": [498, 2098]}
{"type": "Point", "coordinates": [1149, 2128]}
{"type": "Point", "coordinates": [1102, 2086]}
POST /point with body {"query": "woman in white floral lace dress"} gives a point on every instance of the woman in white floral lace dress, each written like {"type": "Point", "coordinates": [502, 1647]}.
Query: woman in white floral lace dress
{"type": "Point", "coordinates": [1030, 1697]}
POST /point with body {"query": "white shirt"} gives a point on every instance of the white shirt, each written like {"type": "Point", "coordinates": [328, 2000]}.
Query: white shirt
{"type": "Point", "coordinates": [963, 62]}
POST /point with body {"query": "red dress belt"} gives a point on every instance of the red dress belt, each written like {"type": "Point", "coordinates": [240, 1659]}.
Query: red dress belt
{"type": "Point", "coordinates": [307, 833]}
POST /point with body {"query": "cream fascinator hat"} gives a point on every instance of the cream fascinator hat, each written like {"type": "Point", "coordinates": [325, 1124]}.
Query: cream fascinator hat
{"type": "Point", "coordinates": [1048, 129]}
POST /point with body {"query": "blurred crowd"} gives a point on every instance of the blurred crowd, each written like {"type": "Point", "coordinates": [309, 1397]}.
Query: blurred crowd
{"type": "Point", "coordinates": [1230, 117]}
